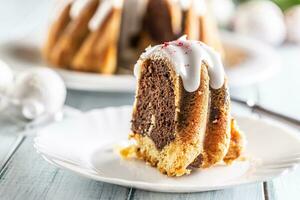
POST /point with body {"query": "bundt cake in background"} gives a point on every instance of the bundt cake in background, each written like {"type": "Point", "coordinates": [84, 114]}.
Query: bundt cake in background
{"type": "Point", "coordinates": [181, 117]}
{"type": "Point", "coordinates": [85, 36]}
{"type": "Point", "coordinates": [99, 35]}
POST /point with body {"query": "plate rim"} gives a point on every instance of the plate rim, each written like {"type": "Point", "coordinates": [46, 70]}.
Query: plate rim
{"type": "Point", "coordinates": [177, 188]}
{"type": "Point", "coordinates": [83, 81]}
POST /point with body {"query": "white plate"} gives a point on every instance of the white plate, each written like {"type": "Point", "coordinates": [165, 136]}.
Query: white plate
{"type": "Point", "coordinates": [261, 63]}
{"type": "Point", "coordinates": [85, 145]}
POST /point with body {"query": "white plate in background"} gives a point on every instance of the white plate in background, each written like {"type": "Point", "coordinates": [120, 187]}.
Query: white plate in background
{"type": "Point", "coordinates": [260, 63]}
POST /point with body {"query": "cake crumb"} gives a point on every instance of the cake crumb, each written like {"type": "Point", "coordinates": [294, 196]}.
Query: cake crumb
{"type": "Point", "coordinates": [127, 152]}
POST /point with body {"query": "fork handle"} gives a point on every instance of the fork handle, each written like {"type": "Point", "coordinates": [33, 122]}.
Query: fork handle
{"type": "Point", "coordinates": [276, 114]}
{"type": "Point", "coordinates": [260, 109]}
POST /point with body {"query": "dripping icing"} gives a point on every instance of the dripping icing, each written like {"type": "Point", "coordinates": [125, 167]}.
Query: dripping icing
{"type": "Point", "coordinates": [102, 11]}
{"type": "Point", "coordinates": [199, 6]}
{"type": "Point", "coordinates": [187, 57]}
{"type": "Point", "coordinates": [77, 8]}
{"type": "Point", "coordinates": [106, 5]}
{"type": "Point", "coordinates": [58, 8]}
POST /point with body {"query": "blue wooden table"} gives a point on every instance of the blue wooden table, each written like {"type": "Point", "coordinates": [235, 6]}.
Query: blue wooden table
{"type": "Point", "coordinates": [25, 175]}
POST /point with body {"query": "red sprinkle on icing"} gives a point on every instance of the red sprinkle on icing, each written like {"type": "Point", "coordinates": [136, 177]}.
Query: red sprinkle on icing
{"type": "Point", "coordinates": [165, 44]}
{"type": "Point", "coordinates": [180, 44]}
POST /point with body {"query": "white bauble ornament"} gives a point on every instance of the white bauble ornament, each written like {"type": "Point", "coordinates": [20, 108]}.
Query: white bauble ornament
{"type": "Point", "coordinates": [40, 91]}
{"type": "Point", "coordinates": [292, 20]}
{"type": "Point", "coordinates": [6, 78]}
{"type": "Point", "coordinates": [223, 10]}
{"type": "Point", "coordinates": [261, 19]}
{"type": "Point", "coordinates": [6, 82]}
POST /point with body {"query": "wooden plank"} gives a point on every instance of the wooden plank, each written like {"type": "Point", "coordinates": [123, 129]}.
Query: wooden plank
{"type": "Point", "coordinates": [78, 99]}
{"type": "Point", "coordinates": [284, 187]}
{"type": "Point", "coordinates": [28, 176]}
{"type": "Point", "coordinates": [33, 178]}
{"type": "Point", "coordinates": [281, 93]}
{"type": "Point", "coordinates": [12, 132]}
{"type": "Point", "coordinates": [9, 138]}
{"type": "Point", "coordinates": [251, 192]}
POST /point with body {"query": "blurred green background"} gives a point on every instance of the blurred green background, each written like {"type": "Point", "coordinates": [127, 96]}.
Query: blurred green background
{"type": "Point", "coordinates": [283, 4]}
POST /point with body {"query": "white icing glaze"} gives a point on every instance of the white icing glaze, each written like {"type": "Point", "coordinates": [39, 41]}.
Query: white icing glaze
{"type": "Point", "coordinates": [199, 6]}
{"type": "Point", "coordinates": [102, 11]}
{"type": "Point", "coordinates": [187, 57]}
{"type": "Point", "coordinates": [184, 4]}
{"type": "Point", "coordinates": [133, 13]}
{"type": "Point", "coordinates": [58, 8]}
{"type": "Point", "coordinates": [77, 7]}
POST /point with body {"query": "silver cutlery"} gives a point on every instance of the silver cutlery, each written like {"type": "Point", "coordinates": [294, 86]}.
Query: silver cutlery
{"type": "Point", "coordinates": [257, 108]}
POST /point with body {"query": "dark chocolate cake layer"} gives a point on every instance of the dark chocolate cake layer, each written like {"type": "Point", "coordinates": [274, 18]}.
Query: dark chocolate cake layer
{"type": "Point", "coordinates": [155, 106]}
